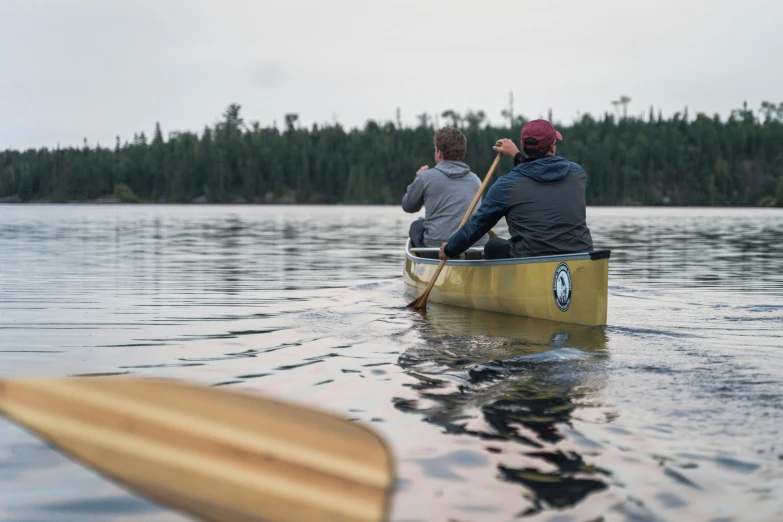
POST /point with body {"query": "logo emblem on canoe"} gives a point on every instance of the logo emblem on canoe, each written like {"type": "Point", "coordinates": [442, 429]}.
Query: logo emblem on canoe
{"type": "Point", "coordinates": [562, 287]}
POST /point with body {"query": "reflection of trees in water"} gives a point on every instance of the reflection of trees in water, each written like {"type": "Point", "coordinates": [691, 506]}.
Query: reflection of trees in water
{"type": "Point", "coordinates": [505, 378]}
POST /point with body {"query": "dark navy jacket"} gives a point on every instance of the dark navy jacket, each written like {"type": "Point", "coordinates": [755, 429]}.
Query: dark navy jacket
{"type": "Point", "coordinates": [543, 201]}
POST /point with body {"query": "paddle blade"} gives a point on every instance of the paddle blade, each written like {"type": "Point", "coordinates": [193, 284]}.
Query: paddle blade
{"type": "Point", "coordinates": [208, 452]}
{"type": "Point", "coordinates": [420, 302]}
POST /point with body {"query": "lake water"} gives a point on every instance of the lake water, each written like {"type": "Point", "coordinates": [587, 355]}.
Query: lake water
{"type": "Point", "coordinates": [674, 411]}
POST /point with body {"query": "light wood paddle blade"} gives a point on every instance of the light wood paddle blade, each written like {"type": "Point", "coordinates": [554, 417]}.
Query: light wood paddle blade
{"type": "Point", "coordinates": [421, 301]}
{"type": "Point", "coordinates": [211, 453]}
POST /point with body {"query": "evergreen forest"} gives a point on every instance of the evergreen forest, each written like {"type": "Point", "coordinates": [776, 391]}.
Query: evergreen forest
{"type": "Point", "coordinates": [630, 160]}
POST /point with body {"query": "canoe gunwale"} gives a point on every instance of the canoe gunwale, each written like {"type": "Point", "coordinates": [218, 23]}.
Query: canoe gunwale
{"type": "Point", "coordinates": [595, 255]}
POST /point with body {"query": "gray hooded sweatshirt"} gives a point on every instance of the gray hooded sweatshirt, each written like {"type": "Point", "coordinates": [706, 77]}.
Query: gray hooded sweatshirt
{"type": "Point", "coordinates": [445, 191]}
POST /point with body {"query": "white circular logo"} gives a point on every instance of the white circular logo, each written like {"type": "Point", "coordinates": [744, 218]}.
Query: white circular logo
{"type": "Point", "coordinates": [562, 287]}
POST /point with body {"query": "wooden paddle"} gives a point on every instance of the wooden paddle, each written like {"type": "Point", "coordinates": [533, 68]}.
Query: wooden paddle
{"type": "Point", "coordinates": [421, 302]}
{"type": "Point", "coordinates": [211, 453]}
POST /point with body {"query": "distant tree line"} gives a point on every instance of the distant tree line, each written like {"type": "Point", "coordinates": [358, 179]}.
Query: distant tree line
{"type": "Point", "coordinates": [630, 160]}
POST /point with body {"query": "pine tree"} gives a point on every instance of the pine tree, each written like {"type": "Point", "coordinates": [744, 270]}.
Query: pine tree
{"type": "Point", "coordinates": [779, 199]}
{"type": "Point", "coordinates": [158, 137]}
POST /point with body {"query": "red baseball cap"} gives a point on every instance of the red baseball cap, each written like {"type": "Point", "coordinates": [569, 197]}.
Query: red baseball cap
{"type": "Point", "coordinates": [542, 131]}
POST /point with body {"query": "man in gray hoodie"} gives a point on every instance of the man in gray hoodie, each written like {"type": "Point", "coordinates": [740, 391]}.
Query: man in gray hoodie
{"type": "Point", "coordinates": [445, 191]}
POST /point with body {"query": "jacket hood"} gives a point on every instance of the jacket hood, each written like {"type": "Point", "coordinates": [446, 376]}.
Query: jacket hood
{"type": "Point", "coordinates": [550, 168]}
{"type": "Point", "coordinates": [453, 169]}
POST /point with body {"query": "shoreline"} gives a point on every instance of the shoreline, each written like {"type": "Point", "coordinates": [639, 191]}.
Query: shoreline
{"type": "Point", "coordinates": [114, 201]}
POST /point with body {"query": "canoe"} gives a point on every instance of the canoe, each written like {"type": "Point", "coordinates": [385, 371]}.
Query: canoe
{"type": "Point", "coordinates": [569, 288]}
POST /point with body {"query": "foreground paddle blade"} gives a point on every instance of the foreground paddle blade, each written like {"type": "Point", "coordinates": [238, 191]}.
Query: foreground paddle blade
{"type": "Point", "coordinates": [208, 452]}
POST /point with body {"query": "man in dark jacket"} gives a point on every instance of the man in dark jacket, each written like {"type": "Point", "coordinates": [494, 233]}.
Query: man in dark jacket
{"type": "Point", "coordinates": [445, 191]}
{"type": "Point", "coordinates": [542, 199]}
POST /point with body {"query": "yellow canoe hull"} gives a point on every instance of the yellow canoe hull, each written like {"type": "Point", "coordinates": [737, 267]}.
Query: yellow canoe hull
{"type": "Point", "coordinates": [570, 288]}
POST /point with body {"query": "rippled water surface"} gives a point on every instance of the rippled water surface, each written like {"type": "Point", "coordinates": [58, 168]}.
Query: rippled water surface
{"type": "Point", "coordinates": [672, 412]}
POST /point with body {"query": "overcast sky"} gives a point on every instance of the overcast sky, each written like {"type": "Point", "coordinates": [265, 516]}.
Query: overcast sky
{"type": "Point", "coordinates": [75, 69]}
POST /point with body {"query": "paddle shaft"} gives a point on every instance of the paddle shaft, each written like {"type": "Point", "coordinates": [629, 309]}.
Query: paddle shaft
{"type": "Point", "coordinates": [421, 302]}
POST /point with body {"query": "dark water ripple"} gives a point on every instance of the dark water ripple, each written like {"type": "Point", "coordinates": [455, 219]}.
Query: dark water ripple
{"type": "Point", "coordinates": [672, 412]}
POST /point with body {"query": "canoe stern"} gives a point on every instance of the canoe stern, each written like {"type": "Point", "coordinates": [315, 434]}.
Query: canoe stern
{"type": "Point", "coordinates": [568, 288]}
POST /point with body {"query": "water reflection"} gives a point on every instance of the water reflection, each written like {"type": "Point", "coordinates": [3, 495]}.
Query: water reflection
{"type": "Point", "coordinates": [700, 248]}
{"type": "Point", "coordinates": [675, 406]}
{"type": "Point", "coordinates": [512, 380]}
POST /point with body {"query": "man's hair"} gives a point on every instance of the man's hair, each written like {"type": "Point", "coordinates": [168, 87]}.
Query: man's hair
{"type": "Point", "coordinates": [531, 151]}
{"type": "Point", "coordinates": [451, 143]}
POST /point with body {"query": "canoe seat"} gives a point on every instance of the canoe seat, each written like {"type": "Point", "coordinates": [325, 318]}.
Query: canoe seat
{"type": "Point", "coordinates": [477, 253]}
{"type": "Point", "coordinates": [432, 253]}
